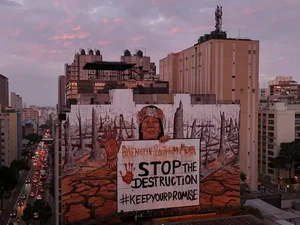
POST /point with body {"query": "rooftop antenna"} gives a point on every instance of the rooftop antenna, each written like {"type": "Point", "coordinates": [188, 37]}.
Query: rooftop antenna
{"type": "Point", "coordinates": [218, 18]}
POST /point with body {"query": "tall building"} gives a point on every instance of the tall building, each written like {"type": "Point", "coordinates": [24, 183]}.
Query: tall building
{"type": "Point", "coordinates": [89, 74]}
{"type": "Point", "coordinates": [4, 141]}
{"type": "Point", "coordinates": [16, 101]}
{"type": "Point", "coordinates": [229, 68]}
{"type": "Point", "coordinates": [278, 122]}
{"type": "Point", "coordinates": [61, 93]}
{"type": "Point", "coordinates": [12, 129]}
{"type": "Point", "coordinates": [4, 102]}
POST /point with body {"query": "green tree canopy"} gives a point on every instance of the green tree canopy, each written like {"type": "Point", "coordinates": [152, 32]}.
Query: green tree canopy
{"type": "Point", "coordinates": [44, 210]}
{"type": "Point", "coordinates": [8, 178]}
{"type": "Point", "coordinates": [19, 164]}
{"type": "Point", "coordinates": [35, 138]}
{"type": "Point", "coordinates": [28, 213]}
{"type": "Point", "coordinates": [289, 153]}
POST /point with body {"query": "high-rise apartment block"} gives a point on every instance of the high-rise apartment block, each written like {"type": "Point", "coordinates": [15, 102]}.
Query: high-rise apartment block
{"type": "Point", "coordinates": [229, 68]}
{"type": "Point", "coordinates": [15, 101]}
{"type": "Point", "coordinates": [4, 92]}
{"type": "Point", "coordinates": [279, 122]}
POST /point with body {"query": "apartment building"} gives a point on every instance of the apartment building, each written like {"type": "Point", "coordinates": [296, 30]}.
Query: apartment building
{"type": "Point", "coordinates": [16, 101]}
{"type": "Point", "coordinates": [278, 122]}
{"type": "Point", "coordinates": [61, 93]}
{"type": "Point", "coordinates": [228, 68]}
{"type": "Point", "coordinates": [4, 94]}
{"type": "Point", "coordinates": [31, 116]}
{"type": "Point", "coordinates": [12, 134]}
{"type": "Point", "coordinates": [5, 157]}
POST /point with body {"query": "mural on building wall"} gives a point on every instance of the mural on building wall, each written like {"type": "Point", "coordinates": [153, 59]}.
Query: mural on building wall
{"type": "Point", "coordinates": [94, 134]}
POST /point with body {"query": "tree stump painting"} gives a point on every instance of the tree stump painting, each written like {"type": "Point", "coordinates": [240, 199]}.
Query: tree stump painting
{"type": "Point", "coordinates": [89, 195]}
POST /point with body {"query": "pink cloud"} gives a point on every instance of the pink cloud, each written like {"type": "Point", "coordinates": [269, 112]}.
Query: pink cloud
{"type": "Point", "coordinates": [137, 38]}
{"type": "Point", "coordinates": [76, 28]}
{"type": "Point", "coordinates": [55, 3]}
{"type": "Point", "coordinates": [104, 42]}
{"type": "Point", "coordinates": [105, 20]}
{"type": "Point", "coordinates": [52, 51]}
{"type": "Point", "coordinates": [201, 28]}
{"type": "Point", "coordinates": [248, 11]}
{"type": "Point", "coordinates": [15, 33]}
{"type": "Point", "coordinates": [64, 37]}
{"type": "Point", "coordinates": [83, 35]}
{"type": "Point", "coordinates": [174, 30]}
{"type": "Point", "coordinates": [172, 18]}
{"type": "Point", "coordinates": [67, 43]}
{"type": "Point", "coordinates": [118, 20]}
{"type": "Point", "coordinates": [110, 27]}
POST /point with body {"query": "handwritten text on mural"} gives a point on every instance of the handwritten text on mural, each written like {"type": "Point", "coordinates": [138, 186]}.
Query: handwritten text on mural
{"type": "Point", "coordinates": [155, 175]}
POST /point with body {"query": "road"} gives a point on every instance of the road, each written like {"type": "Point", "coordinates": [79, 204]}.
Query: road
{"type": "Point", "coordinates": [25, 189]}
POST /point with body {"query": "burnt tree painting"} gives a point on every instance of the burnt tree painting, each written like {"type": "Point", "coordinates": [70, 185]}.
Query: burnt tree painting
{"type": "Point", "coordinates": [92, 137]}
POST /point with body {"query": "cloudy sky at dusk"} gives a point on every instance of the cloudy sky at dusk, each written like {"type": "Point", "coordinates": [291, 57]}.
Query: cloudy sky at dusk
{"type": "Point", "coordinates": [38, 36]}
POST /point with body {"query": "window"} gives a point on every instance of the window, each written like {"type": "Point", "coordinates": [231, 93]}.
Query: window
{"type": "Point", "coordinates": [271, 122]}
{"type": "Point", "coordinates": [233, 76]}
{"type": "Point", "coordinates": [270, 153]}
{"type": "Point", "coordinates": [297, 115]}
{"type": "Point", "coordinates": [249, 51]}
{"type": "Point", "coordinates": [271, 116]}
{"type": "Point", "coordinates": [253, 90]}
{"type": "Point", "coordinates": [270, 128]}
{"type": "Point", "coordinates": [233, 89]}
{"type": "Point", "coordinates": [254, 51]}
{"type": "Point", "coordinates": [270, 146]}
{"type": "Point", "coordinates": [198, 99]}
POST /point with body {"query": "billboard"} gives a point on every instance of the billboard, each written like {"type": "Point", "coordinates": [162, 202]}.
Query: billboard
{"type": "Point", "coordinates": [104, 146]}
{"type": "Point", "coordinates": [154, 175]}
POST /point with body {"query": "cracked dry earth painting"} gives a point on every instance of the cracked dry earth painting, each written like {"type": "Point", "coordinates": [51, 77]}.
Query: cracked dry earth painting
{"type": "Point", "coordinates": [93, 135]}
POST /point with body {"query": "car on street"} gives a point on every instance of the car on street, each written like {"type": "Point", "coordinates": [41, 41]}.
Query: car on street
{"type": "Point", "coordinates": [23, 196]}
{"type": "Point", "coordinates": [28, 181]}
{"type": "Point", "coordinates": [36, 173]}
{"type": "Point", "coordinates": [35, 215]}
{"type": "Point", "coordinates": [32, 194]}
{"type": "Point", "coordinates": [39, 197]}
{"type": "Point", "coordinates": [41, 183]}
{"type": "Point", "coordinates": [13, 214]}
{"type": "Point", "coordinates": [35, 181]}
{"type": "Point", "coordinates": [42, 190]}
{"type": "Point", "coordinates": [20, 203]}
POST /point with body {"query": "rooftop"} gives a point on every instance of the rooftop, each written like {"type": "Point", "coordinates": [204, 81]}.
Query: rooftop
{"type": "Point", "coordinates": [108, 65]}
{"type": "Point", "coordinates": [3, 77]}
{"type": "Point", "coordinates": [236, 220]}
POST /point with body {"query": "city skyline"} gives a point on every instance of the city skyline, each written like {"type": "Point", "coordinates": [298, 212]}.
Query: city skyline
{"type": "Point", "coordinates": [35, 48]}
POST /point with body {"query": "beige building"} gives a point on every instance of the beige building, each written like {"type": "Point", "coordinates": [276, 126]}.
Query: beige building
{"type": "Point", "coordinates": [229, 68]}
{"type": "Point", "coordinates": [4, 141]}
{"type": "Point", "coordinates": [278, 122]}
{"type": "Point", "coordinates": [4, 95]}
{"type": "Point", "coordinates": [16, 101]}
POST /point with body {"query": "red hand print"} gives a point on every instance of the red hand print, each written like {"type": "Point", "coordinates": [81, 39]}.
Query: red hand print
{"type": "Point", "coordinates": [128, 177]}
{"type": "Point", "coordinates": [112, 146]}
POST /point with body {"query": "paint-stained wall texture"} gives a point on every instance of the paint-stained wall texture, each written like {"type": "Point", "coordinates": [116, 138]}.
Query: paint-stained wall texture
{"type": "Point", "coordinates": [124, 157]}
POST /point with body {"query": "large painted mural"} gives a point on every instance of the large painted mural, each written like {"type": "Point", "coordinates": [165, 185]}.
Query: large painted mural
{"type": "Point", "coordinates": [148, 151]}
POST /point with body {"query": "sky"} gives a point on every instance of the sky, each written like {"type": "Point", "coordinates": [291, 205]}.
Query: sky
{"type": "Point", "coordinates": [37, 37]}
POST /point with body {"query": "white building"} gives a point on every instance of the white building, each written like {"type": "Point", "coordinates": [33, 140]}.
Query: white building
{"type": "Point", "coordinates": [277, 123]}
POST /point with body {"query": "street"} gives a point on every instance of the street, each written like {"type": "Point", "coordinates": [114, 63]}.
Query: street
{"type": "Point", "coordinates": [30, 191]}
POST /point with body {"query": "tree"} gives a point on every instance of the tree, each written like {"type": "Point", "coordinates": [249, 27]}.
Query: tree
{"type": "Point", "coordinates": [289, 154]}
{"type": "Point", "coordinates": [249, 210]}
{"type": "Point", "coordinates": [8, 181]}
{"type": "Point", "coordinates": [44, 210]}
{"type": "Point", "coordinates": [19, 164]}
{"type": "Point", "coordinates": [243, 177]}
{"type": "Point", "coordinates": [35, 138]}
{"type": "Point", "coordinates": [28, 213]}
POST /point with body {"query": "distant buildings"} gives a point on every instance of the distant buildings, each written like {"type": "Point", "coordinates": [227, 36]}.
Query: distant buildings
{"type": "Point", "coordinates": [228, 68]}
{"type": "Point", "coordinates": [4, 94]}
{"type": "Point", "coordinates": [30, 116]}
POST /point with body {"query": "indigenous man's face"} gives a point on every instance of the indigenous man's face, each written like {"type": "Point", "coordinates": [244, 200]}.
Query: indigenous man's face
{"type": "Point", "coordinates": [150, 128]}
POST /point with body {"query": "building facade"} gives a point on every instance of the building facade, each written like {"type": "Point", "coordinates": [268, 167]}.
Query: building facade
{"type": "Point", "coordinates": [12, 128]}
{"type": "Point", "coordinates": [16, 101]}
{"type": "Point", "coordinates": [61, 104]}
{"type": "Point", "coordinates": [31, 116]}
{"type": "Point", "coordinates": [229, 69]}
{"type": "Point", "coordinates": [4, 92]}
{"type": "Point", "coordinates": [279, 122]}
{"type": "Point", "coordinates": [5, 157]}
